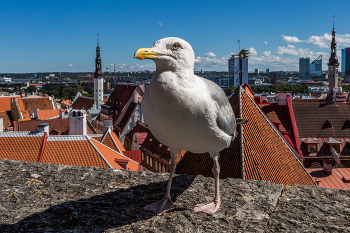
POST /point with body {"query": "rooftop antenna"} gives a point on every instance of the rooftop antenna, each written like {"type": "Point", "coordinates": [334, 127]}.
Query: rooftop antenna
{"type": "Point", "coordinates": [333, 21]}
{"type": "Point", "coordinates": [98, 39]}
{"type": "Point", "coordinates": [239, 45]}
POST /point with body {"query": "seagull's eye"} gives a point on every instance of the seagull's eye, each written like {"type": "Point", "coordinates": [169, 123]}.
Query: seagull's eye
{"type": "Point", "coordinates": [176, 46]}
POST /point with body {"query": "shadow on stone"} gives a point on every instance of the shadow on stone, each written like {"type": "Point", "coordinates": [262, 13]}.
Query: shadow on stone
{"type": "Point", "coordinates": [101, 212]}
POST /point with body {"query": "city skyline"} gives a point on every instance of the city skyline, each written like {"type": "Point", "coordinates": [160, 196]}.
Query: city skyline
{"type": "Point", "coordinates": [61, 36]}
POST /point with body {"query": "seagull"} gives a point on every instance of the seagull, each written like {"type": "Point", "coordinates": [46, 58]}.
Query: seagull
{"type": "Point", "coordinates": [185, 112]}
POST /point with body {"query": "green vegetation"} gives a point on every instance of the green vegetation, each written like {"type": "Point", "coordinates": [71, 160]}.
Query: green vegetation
{"type": "Point", "coordinates": [65, 92]}
{"type": "Point", "coordinates": [279, 87]}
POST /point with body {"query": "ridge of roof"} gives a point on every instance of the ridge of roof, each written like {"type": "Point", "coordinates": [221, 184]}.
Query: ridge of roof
{"type": "Point", "coordinates": [56, 138]}
{"type": "Point", "coordinates": [22, 134]}
{"type": "Point", "coordinates": [133, 165]}
{"type": "Point", "coordinates": [89, 139]}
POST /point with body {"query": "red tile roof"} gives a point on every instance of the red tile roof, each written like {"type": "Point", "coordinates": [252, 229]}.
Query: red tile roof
{"type": "Point", "coordinates": [48, 114]}
{"type": "Point", "coordinates": [29, 104]}
{"type": "Point", "coordinates": [83, 102]}
{"type": "Point", "coordinates": [111, 140]}
{"type": "Point", "coordinates": [265, 155]}
{"type": "Point", "coordinates": [77, 150]}
{"type": "Point", "coordinates": [278, 114]}
{"type": "Point", "coordinates": [5, 102]}
{"type": "Point", "coordinates": [337, 180]}
{"type": "Point", "coordinates": [23, 146]}
{"type": "Point", "coordinates": [60, 125]}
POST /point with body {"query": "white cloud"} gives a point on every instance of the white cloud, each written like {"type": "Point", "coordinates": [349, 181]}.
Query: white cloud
{"type": "Point", "coordinates": [325, 40]}
{"type": "Point", "coordinates": [291, 50]}
{"type": "Point", "coordinates": [252, 52]}
{"type": "Point", "coordinates": [160, 24]}
{"type": "Point", "coordinates": [266, 54]}
{"type": "Point", "coordinates": [265, 42]}
{"type": "Point", "coordinates": [291, 39]}
{"type": "Point", "coordinates": [210, 54]}
{"type": "Point", "coordinates": [70, 65]}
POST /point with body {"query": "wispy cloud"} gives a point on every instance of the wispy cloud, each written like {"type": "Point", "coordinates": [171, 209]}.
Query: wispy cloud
{"type": "Point", "coordinates": [291, 39]}
{"type": "Point", "coordinates": [265, 42]}
{"type": "Point", "coordinates": [160, 24]}
{"type": "Point", "coordinates": [210, 54]}
{"type": "Point", "coordinates": [70, 65]}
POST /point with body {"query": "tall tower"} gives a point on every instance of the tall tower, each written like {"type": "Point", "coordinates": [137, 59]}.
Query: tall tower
{"type": "Point", "coordinates": [333, 64]}
{"type": "Point", "coordinates": [98, 79]}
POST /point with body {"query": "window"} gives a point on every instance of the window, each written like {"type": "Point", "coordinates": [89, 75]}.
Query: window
{"type": "Point", "coordinates": [147, 159]}
{"type": "Point", "coordinates": [142, 156]}
{"type": "Point", "coordinates": [311, 148]}
{"type": "Point", "coordinates": [156, 165]}
{"type": "Point", "coordinates": [151, 163]}
{"type": "Point", "coordinates": [163, 168]}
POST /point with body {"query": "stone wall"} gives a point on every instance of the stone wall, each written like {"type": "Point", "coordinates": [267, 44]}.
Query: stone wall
{"type": "Point", "coordinates": [41, 197]}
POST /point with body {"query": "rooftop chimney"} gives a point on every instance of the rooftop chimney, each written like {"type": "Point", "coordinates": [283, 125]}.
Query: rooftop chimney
{"type": "Point", "coordinates": [77, 122]}
{"type": "Point", "coordinates": [36, 113]}
{"type": "Point", "coordinates": [44, 127]}
{"type": "Point", "coordinates": [107, 123]}
{"type": "Point", "coordinates": [327, 166]}
{"type": "Point", "coordinates": [1, 124]}
{"type": "Point", "coordinates": [61, 114]}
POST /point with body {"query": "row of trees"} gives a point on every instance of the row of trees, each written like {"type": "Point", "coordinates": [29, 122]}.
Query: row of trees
{"type": "Point", "coordinates": [275, 88]}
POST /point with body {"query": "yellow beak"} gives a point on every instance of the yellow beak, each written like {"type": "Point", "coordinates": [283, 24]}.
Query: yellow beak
{"type": "Point", "coordinates": [145, 53]}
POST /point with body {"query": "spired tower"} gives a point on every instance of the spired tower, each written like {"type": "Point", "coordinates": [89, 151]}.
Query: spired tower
{"type": "Point", "coordinates": [333, 64]}
{"type": "Point", "coordinates": [98, 79]}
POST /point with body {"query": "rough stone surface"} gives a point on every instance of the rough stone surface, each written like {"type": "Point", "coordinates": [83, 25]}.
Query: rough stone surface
{"type": "Point", "coordinates": [41, 197]}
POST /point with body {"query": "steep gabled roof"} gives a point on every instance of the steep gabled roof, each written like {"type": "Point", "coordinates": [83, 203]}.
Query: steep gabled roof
{"type": "Point", "coordinates": [259, 152]}
{"type": "Point", "coordinates": [277, 113]}
{"type": "Point", "coordinates": [129, 111]}
{"type": "Point", "coordinates": [83, 102]}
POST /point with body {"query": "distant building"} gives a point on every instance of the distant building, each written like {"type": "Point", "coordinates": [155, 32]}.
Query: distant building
{"type": "Point", "coordinates": [345, 61]}
{"type": "Point", "coordinates": [304, 68]}
{"type": "Point", "coordinates": [267, 71]}
{"type": "Point", "coordinates": [316, 66]}
{"type": "Point", "coordinates": [333, 64]}
{"type": "Point", "coordinates": [256, 71]}
{"type": "Point", "coordinates": [233, 71]}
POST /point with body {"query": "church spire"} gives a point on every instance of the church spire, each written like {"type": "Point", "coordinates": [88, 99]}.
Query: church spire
{"type": "Point", "coordinates": [98, 61]}
{"type": "Point", "coordinates": [333, 64]}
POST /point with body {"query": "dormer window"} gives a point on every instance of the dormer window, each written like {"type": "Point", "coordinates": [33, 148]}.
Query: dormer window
{"type": "Point", "coordinates": [327, 125]}
{"type": "Point", "coordinates": [311, 144]}
{"type": "Point", "coordinates": [311, 148]}
{"type": "Point", "coordinates": [332, 143]}
{"type": "Point", "coordinates": [346, 125]}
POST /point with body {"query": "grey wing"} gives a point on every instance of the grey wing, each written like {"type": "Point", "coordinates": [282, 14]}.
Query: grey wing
{"type": "Point", "coordinates": [225, 118]}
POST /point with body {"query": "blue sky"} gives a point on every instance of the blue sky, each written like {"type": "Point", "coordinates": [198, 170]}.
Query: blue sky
{"type": "Point", "coordinates": [47, 36]}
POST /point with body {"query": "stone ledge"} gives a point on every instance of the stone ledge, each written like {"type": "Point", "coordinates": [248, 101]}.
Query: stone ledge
{"type": "Point", "coordinates": [41, 197]}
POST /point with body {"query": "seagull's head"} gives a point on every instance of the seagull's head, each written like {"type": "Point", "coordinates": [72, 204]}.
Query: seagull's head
{"type": "Point", "coordinates": [169, 53]}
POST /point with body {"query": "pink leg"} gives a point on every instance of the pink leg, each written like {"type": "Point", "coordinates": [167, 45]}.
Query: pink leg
{"type": "Point", "coordinates": [212, 207]}
{"type": "Point", "coordinates": [165, 204]}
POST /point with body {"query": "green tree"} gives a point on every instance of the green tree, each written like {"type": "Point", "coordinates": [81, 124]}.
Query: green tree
{"type": "Point", "coordinates": [31, 89]}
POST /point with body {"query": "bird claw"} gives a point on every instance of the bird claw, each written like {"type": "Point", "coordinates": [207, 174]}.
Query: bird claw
{"type": "Point", "coordinates": [208, 208]}
{"type": "Point", "coordinates": [161, 206]}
